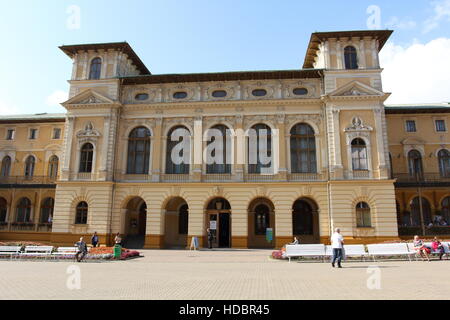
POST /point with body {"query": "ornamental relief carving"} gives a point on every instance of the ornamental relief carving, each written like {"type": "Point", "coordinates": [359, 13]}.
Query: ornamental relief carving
{"type": "Point", "coordinates": [291, 120]}
{"type": "Point", "coordinates": [234, 91]}
{"type": "Point", "coordinates": [358, 125]}
{"type": "Point", "coordinates": [288, 89]}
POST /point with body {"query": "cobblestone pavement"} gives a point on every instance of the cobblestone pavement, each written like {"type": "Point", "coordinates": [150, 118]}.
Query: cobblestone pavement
{"type": "Point", "coordinates": [233, 274]}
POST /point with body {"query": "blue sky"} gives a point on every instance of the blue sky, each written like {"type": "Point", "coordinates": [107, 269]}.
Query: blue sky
{"type": "Point", "coordinates": [205, 36]}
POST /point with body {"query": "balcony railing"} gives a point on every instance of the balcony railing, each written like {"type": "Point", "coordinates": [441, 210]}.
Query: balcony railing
{"type": "Point", "coordinates": [25, 226]}
{"type": "Point", "coordinates": [28, 180]}
{"type": "Point", "coordinates": [421, 178]}
{"type": "Point", "coordinates": [133, 177]}
{"type": "Point", "coordinates": [22, 226]}
{"type": "Point", "coordinates": [257, 177]}
{"type": "Point", "coordinates": [175, 178]}
{"type": "Point", "coordinates": [361, 174]}
{"type": "Point", "coordinates": [217, 177]}
{"type": "Point", "coordinates": [303, 177]}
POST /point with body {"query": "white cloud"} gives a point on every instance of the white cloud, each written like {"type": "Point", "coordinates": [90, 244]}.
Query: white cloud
{"type": "Point", "coordinates": [56, 98]}
{"type": "Point", "coordinates": [397, 23]}
{"type": "Point", "coordinates": [7, 108]}
{"type": "Point", "coordinates": [418, 73]}
{"type": "Point", "coordinates": [441, 12]}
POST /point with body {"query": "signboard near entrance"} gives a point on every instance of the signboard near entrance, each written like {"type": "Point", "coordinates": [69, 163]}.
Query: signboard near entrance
{"type": "Point", "coordinates": [269, 234]}
{"type": "Point", "coordinates": [213, 225]}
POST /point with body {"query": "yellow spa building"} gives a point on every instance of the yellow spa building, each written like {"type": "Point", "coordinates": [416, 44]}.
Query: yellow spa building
{"type": "Point", "coordinates": [343, 158]}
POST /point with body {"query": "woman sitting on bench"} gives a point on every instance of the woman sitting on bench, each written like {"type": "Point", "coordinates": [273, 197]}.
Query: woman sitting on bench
{"type": "Point", "coordinates": [421, 248]}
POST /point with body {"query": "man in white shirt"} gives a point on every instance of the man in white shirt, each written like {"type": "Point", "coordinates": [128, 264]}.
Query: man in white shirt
{"type": "Point", "coordinates": [337, 243]}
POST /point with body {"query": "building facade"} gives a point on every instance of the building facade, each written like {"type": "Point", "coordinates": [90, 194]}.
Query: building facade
{"type": "Point", "coordinates": [108, 165]}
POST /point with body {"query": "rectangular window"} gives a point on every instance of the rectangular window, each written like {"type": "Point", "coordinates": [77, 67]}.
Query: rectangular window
{"type": "Point", "coordinates": [440, 126]}
{"type": "Point", "coordinates": [410, 126]}
{"type": "Point", "coordinates": [56, 133]}
{"type": "Point", "coordinates": [33, 134]}
{"type": "Point", "coordinates": [10, 134]}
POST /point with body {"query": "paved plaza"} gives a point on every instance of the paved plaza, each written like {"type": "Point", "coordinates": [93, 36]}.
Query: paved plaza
{"type": "Point", "coordinates": [232, 274]}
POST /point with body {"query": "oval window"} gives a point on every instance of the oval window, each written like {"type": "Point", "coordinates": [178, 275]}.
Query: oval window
{"type": "Point", "coordinates": [219, 94]}
{"type": "Point", "coordinates": [141, 96]}
{"type": "Point", "coordinates": [300, 91]}
{"type": "Point", "coordinates": [259, 92]}
{"type": "Point", "coordinates": [180, 95]}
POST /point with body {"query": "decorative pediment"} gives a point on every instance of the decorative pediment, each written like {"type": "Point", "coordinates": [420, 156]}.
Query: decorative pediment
{"type": "Point", "coordinates": [358, 126]}
{"type": "Point", "coordinates": [356, 89]}
{"type": "Point", "coordinates": [88, 97]}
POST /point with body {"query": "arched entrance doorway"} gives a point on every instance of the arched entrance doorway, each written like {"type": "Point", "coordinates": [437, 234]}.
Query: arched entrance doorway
{"type": "Point", "coordinates": [218, 220]}
{"type": "Point", "coordinates": [261, 216]}
{"type": "Point", "coordinates": [305, 221]}
{"type": "Point", "coordinates": [135, 223]}
{"type": "Point", "coordinates": [176, 221]}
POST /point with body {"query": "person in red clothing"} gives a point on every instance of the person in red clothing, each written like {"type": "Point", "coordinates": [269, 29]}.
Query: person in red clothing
{"type": "Point", "coordinates": [437, 246]}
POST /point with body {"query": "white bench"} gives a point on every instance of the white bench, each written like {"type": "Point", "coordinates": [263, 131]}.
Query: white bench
{"type": "Point", "coordinates": [350, 250]}
{"type": "Point", "coordinates": [305, 250]}
{"type": "Point", "coordinates": [65, 251]}
{"type": "Point", "coordinates": [44, 251]}
{"type": "Point", "coordinates": [389, 249]}
{"type": "Point", "coordinates": [11, 251]}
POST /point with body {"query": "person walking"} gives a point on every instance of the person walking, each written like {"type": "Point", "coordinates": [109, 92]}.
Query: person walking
{"type": "Point", "coordinates": [82, 250]}
{"type": "Point", "coordinates": [337, 244]}
{"type": "Point", "coordinates": [210, 238]}
{"type": "Point", "coordinates": [94, 240]}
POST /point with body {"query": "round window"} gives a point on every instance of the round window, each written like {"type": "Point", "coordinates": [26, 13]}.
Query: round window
{"type": "Point", "coordinates": [141, 96]}
{"type": "Point", "coordinates": [300, 91]}
{"type": "Point", "coordinates": [219, 94]}
{"type": "Point", "coordinates": [180, 95]}
{"type": "Point", "coordinates": [259, 92]}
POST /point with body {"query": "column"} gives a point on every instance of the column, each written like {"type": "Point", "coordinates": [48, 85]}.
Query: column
{"type": "Point", "coordinates": [282, 156]}
{"type": "Point", "coordinates": [157, 150]}
{"type": "Point", "coordinates": [67, 150]}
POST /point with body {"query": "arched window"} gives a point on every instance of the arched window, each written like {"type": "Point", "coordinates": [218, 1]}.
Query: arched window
{"type": "Point", "coordinates": [23, 210]}
{"type": "Point", "coordinates": [95, 70]}
{"type": "Point", "coordinates": [86, 156]}
{"type": "Point", "coordinates": [418, 205]}
{"type": "Point", "coordinates": [53, 167]}
{"type": "Point", "coordinates": [351, 58]}
{"type": "Point", "coordinates": [6, 166]}
{"type": "Point", "coordinates": [444, 163]}
{"type": "Point", "coordinates": [302, 218]}
{"type": "Point", "coordinates": [183, 219]}
{"type": "Point", "coordinates": [359, 155]}
{"type": "Point", "coordinates": [415, 164]}
{"type": "Point", "coordinates": [363, 219]}
{"type": "Point", "coordinates": [259, 148]}
{"type": "Point", "coordinates": [262, 219]}
{"type": "Point", "coordinates": [29, 166]}
{"type": "Point", "coordinates": [446, 210]}
{"type": "Point", "coordinates": [303, 149]}
{"type": "Point", "coordinates": [138, 151]}
{"type": "Point", "coordinates": [3, 209]}
{"type": "Point", "coordinates": [178, 151]}
{"type": "Point", "coordinates": [220, 155]}
{"type": "Point", "coordinates": [47, 210]}
{"type": "Point", "coordinates": [81, 213]}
